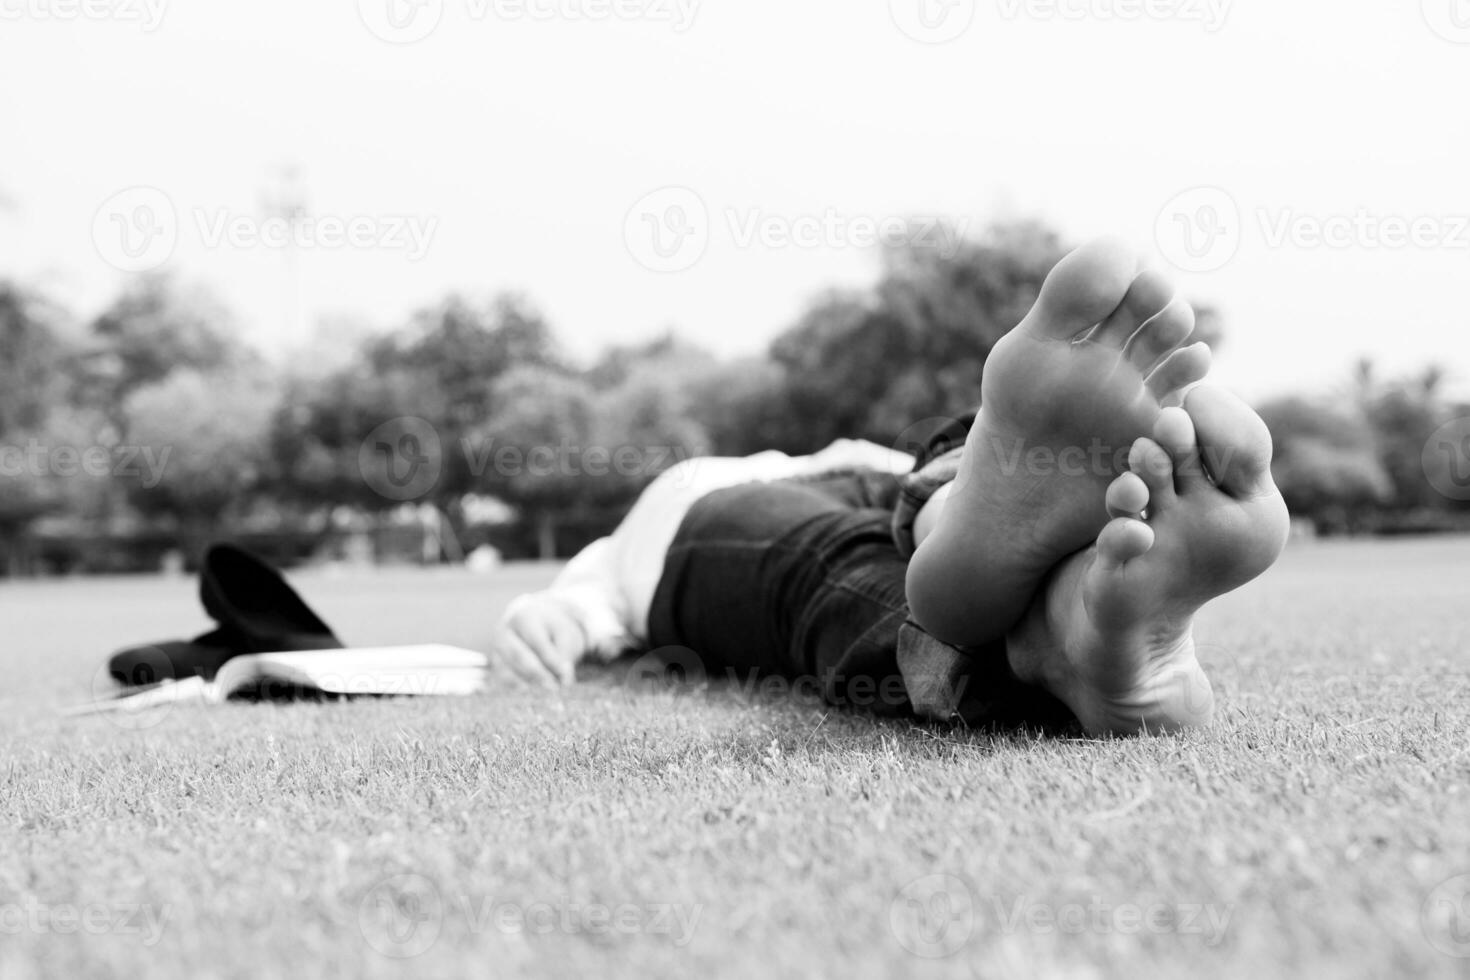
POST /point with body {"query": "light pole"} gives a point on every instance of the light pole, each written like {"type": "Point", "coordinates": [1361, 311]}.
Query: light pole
{"type": "Point", "coordinates": [284, 199]}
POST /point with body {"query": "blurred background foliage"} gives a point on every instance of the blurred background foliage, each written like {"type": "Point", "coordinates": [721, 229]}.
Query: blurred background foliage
{"type": "Point", "coordinates": [204, 438]}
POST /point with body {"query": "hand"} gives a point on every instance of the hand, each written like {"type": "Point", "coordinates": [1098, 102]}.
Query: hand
{"type": "Point", "coordinates": [539, 641]}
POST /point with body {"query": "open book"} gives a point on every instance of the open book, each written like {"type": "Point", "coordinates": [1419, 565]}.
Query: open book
{"type": "Point", "coordinates": [425, 669]}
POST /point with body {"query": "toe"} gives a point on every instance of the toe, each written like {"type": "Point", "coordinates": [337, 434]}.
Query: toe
{"type": "Point", "coordinates": [1153, 466]}
{"type": "Point", "coordinates": [1235, 443]}
{"type": "Point", "coordinates": [1127, 496]}
{"type": "Point", "coordinates": [1123, 540]}
{"type": "Point", "coordinates": [1180, 369]}
{"type": "Point", "coordinates": [1174, 431]}
{"type": "Point", "coordinates": [1148, 295]}
{"type": "Point", "coordinates": [1083, 289]}
{"type": "Point", "coordinates": [1161, 335]}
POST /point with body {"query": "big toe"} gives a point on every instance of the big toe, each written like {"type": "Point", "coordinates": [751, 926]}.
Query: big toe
{"type": "Point", "coordinates": [1084, 288]}
{"type": "Point", "coordinates": [1234, 442]}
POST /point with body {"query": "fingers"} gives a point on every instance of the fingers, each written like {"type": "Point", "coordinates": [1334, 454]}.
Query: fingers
{"type": "Point", "coordinates": [569, 639]}
{"type": "Point", "coordinates": [540, 641]}
{"type": "Point", "coordinates": [551, 639]}
{"type": "Point", "coordinates": [509, 651]}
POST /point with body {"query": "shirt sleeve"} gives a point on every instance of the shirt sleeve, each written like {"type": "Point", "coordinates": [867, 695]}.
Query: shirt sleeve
{"type": "Point", "coordinates": [588, 588]}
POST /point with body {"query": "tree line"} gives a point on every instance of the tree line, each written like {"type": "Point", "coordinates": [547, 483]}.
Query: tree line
{"type": "Point", "coordinates": [152, 426]}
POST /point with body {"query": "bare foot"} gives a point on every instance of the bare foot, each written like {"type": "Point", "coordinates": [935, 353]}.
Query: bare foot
{"type": "Point", "coordinates": [1063, 398]}
{"type": "Point", "coordinates": [1110, 636]}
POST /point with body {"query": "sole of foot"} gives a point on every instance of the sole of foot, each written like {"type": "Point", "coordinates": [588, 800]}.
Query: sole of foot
{"type": "Point", "coordinates": [1063, 397]}
{"type": "Point", "coordinates": [1197, 516]}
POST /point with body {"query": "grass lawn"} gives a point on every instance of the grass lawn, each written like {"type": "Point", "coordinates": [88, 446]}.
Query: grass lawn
{"type": "Point", "coordinates": [1319, 828]}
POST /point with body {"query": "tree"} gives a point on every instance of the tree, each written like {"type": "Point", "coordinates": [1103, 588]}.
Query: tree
{"type": "Point", "coordinates": [559, 450]}
{"type": "Point", "coordinates": [1402, 415]}
{"type": "Point", "coordinates": [456, 350]}
{"type": "Point", "coordinates": [320, 425]}
{"type": "Point", "coordinates": [676, 359]}
{"type": "Point", "coordinates": [463, 346]}
{"type": "Point", "coordinates": [532, 448]}
{"type": "Point", "coordinates": [207, 436]}
{"type": "Point", "coordinates": [35, 358]}
{"type": "Point", "coordinates": [154, 328]}
{"type": "Point", "coordinates": [1326, 462]}
{"type": "Point", "coordinates": [744, 407]}
{"type": "Point", "coordinates": [438, 376]}
{"type": "Point", "coordinates": [648, 417]}
{"type": "Point", "coordinates": [867, 365]}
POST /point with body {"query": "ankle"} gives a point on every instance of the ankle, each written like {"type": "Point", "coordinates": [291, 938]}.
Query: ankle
{"type": "Point", "coordinates": [1036, 647]}
{"type": "Point", "coordinates": [1171, 700]}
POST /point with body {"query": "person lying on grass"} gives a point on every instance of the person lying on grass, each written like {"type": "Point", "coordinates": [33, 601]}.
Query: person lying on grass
{"type": "Point", "coordinates": [1043, 558]}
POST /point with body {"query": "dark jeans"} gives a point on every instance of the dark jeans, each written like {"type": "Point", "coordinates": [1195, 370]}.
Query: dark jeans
{"type": "Point", "coordinates": [803, 580]}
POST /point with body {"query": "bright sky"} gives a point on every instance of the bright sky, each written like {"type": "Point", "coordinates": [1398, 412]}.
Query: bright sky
{"type": "Point", "coordinates": [515, 144]}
